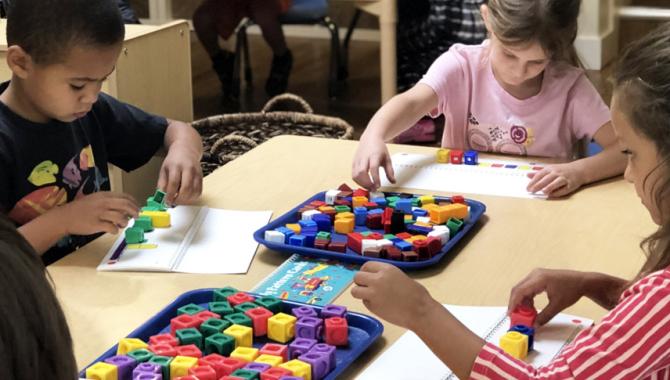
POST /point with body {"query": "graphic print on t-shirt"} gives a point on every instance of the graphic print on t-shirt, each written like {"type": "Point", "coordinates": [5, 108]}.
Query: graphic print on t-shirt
{"type": "Point", "coordinates": [511, 138]}
{"type": "Point", "coordinates": [79, 177]}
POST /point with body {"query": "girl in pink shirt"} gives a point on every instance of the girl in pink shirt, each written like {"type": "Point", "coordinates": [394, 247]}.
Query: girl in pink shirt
{"type": "Point", "coordinates": [633, 339]}
{"type": "Point", "coordinates": [520, 92]}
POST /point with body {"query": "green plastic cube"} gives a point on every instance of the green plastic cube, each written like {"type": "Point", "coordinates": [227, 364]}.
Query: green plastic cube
{"type": "Point", "coordinates": [365, 233]}
{"type": "Point", "coordinates": [323, 235]}
{"type": "Point", "coordinates": [246, 374]}
{"type": "Point", "coordinates": [389, 236]}
{"type": "Point", "coordinates": [223, 293]}
{"type": "Point", "coordinates": [151, 208]}
{"type": "Point", "coordinates": [213, 326]}
{"type": "Point", "coordinates": [188, 336]}
{"type": "Point", "coordinates": [144, 222]}
{"type": "Point", "coordinates": [141, 355]}
{"type": "Point", "coordinates": [159, 197]}
{"type": "Point", "coordinates": [221, 308]}
{"type": "Point", "coordinates": [164, 363]}
{"type": "Point", "coordinates": [392, 199]}
{"type": "Point", "coordinates": [155, 205]}
{"type": "Point", "coordinates": [243, 307]}
{"type": "Point", "coordinates": [239, 319]}
{"type": "Point", "coordinates": [342, 208]}
{"type": "Point", "coordinates": [190, 309]}
{"type": "Point", "coordinates": [271, 303]}
{"type": "Point", "coordinates": [219, 343]}
{"type": "Point", "coordinates": [454, 225]}
{"type": "Point", "coordinates": [134, 235]}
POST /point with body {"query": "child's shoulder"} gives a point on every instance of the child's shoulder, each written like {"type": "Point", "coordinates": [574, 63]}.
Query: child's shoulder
{"type": "Point", "coordinates": [469, 52]}
{"type": "Point", "coordinates": [657, 282]}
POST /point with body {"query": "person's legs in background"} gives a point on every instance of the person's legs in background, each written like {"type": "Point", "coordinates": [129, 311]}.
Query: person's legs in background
{"type": "Point", "coordinates": [266, 14]}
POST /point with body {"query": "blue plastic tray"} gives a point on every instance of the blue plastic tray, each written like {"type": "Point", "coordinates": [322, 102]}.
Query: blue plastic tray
{"type": "Point", "coordinates": [363, 329]}
{"type": "Point", "coordinates": [477, 209]}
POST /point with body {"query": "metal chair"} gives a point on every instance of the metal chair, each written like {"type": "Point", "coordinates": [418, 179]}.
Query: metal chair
{"type": "Point", "coordinates": [302, 12]}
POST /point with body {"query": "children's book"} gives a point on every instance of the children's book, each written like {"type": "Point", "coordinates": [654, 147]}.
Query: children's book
{"type": "Point", "coordinates": [409, 358]}
{"type": "Point", "coordinates": [488, 177]}
{"type": "Point", "coordinates": [199, 240]}
{"type": "Point", "coordinates": [308, 280]}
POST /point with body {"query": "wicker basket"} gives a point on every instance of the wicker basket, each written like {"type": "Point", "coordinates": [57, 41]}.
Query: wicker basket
{"type": "Point", "coordinates": [226, 137]}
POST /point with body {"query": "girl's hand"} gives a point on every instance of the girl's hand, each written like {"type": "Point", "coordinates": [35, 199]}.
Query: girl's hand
{"type": "Point", "coordinates": [181, 175]}
{"type": "Point", "coordinates": [98, 212]}
{"type": "Point", "coordinates": [389, 293]}
{"type": "Point", "coordinates": [370, 156]}
{"type": "Point", "coordinates": [556, 180]}
{"type": "Point", "coordinates": [563, 288]}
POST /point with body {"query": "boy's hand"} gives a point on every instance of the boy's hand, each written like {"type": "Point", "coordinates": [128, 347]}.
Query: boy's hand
{"type": "Point", "coordinates": [370, 156]}
{"type": "Point", "coordinates": [98, 212]}
{"type": "Point", "coordinates": [181, 175]}
{"type": "Point", "coordinates": [389, 293]}
{"type": "Point", "coordinates": [563, 288]}
{"type": "Point", "coordinates": [555, 180]}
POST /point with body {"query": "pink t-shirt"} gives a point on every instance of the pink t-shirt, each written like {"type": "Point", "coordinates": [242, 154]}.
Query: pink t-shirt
{"type": "Point", "coordinates": [481, 115]}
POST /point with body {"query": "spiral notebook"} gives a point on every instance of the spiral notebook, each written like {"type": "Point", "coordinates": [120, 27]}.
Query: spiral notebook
{"type": "Point", "coordinates": [409, 358]}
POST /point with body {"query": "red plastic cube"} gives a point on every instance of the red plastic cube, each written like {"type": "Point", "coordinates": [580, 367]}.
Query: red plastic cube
{"type": "Point", "coordinates": [317, 203]}
{"type": "Point", "coordinates": [205, 315]}
{"type": "Point", "coordinates": [189, 350]}
{"type": "Point", "coordinates": [342, 202]}
{"type": "Point", "coordinates": [215, 361]}
{"type": "Point", "coordinates": [457, 199]}
{"type": "Point", "coordinates": [183, 321]}
{"type": "Point", "coordinates": [337, 246]}
{"type": "Point", "coordinates": [163, 350]}
{"type": "Point", "coordinates": [456, 156]}
{"type": "Point", "coordinates": [375, 236]}
{"type": "Point", "coordinates": [354, 241]}
{"type": "Point", "coordinates": [523, 315]}
{"type": "Point", "coordinates": [275, 373]}
{"type": "Point", "coordinates": [238, 298]}
{"type": "Point", "coordinates": [189, 377]}
{"type": "Point", "coordinates": [393, 253]}
{"type": "Point", "coordinates": [163, 339]}
{"type": "Point", "coordinates": [203, 372]}
{"type": "Point", "coordinates": [421, 248]}
{"type": "Point", "coordinates": [232, 364]}
{"type": "Point", "coordinates": [361, 193]}
{"type": "Point", "coordinates": [259, 318]}
{"type": "Point", "coordinates": [345, 187]}
{"type": "Point", "coordinates": [434, 245]}
{"type": "Point", "coordinates": [403, 235]}
{"type": "Point", "coordinates": [374, 221]}
{"type": "Point", "coordinates": [275, 349]}
{"type": "Point", "coordinates": [337, 331]}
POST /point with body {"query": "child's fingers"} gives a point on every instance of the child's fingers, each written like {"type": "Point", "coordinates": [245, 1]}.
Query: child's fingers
{"type": "Point", "coordinates": [186, 190]}
{"type": "Point", "coordinates": [173, 183]}
{"type": "Point", "coordinates": [122, 206]}
{"type": "Point", "coordinates": [365, 278]}
{"type": "Point", "coordinates": [547, 313]}
{"type": "Point", "coordinates": [561, 192]}
{"type": "Point", "coordinates": [107, 226]}
{"type": "Point", "coordinates": [374, 173]}
{"type": "Point", "coordinates": [361, 292]}
{"type": "Point", "coordinates": [115, 217]}
{"type": "Point", "coordinates": [361, 175]}
{"type": "Point", "coordinates": [542, 182]}
{"type": "Point", "coordinates": [374, 266]}
{"type": "Point", "coordinates": [162, 179]}
{"type": "Point", "coordinates": [388, 169]}
{"type": "Point", "coordinates": [557, 184]}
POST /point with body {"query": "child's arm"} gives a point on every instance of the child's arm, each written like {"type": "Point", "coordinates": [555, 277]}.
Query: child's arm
{"type": "Point", "coordinates": [98, 212]}
{"type": "Point", "coordinates": [564, 288]}
{"type": "Point", "coordinates": [398, 114]}
{"type": "Point", "coordinates": [181, 174]}
{"type": "Point", "coordinates": [562, 179]}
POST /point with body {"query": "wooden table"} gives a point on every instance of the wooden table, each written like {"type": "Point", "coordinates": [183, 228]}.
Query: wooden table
{"type": "Point", "coordinates": [597, 229]}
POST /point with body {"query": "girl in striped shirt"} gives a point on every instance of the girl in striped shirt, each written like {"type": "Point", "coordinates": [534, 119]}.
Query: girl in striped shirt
{"type": "Point", "coordinates": [633, 340]}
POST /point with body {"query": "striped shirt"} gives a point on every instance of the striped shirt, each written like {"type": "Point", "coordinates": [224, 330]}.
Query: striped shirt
{"type": "Point", "coordinates": [631, 342]}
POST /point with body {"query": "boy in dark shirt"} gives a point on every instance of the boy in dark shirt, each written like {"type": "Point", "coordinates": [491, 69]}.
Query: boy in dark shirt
{"type": "Point", "coordinates": [58, 132]}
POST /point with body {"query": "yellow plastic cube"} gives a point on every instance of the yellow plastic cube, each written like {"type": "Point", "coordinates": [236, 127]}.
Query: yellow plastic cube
{"type": "Point", "coordinates": [244, 335]}
{"type": "Point", "coordinates": [180, 365]}
{"type": "Point", "coordinates": [299, 368]}
{"type": "Point", "coordinates": [130, 344]}
{"type": "Point", "coordinates": [442, 156]}
{"type": "Point", "coordinates": [358, 201]}
{"type": "Point", "coordinates": [281, 327]}
{"type": "Point", "coordinates": [344, 215]}
{"type": "Point", "coordinates": [160, 219]}
{"type": "Point", "coordinates": [430, 206]}
{"type": "Point", "coordinates": [272, 360]}
{"type": "Point", "coordinates": [295, 227]}
{"type": "Point", "coordinates": [102, 371]}
{"type": "Point", "coordinates": [515, 344]}
{"type": "Point", "coordinates": [344, 225]}
{"type": "Point", "coordinates": [457, 210]}
{"type": "Point", "coordinates": [426, 199]}
{"type": "Point", "coordinates": [326, 209]}
{"type": "Point", "coordinates": [415, 238]}
{"type": "Point", "coordinates": [245, 353]}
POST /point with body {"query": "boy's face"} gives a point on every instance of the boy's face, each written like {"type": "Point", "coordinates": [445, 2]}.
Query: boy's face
{"type": "Point", "coordinates": [66, 91]}
{"type": "Point", "coordinates": [644, 167]}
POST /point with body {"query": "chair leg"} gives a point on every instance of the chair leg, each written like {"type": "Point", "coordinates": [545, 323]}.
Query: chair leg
{"type": "Point", "coordinates": [239, 48]}
{"type": "Point", "coordinates": [335, 61]}
{"type": "Point", "coordinates": [344, 73]}
{"type": "Point", "coordinates": [247, 62]}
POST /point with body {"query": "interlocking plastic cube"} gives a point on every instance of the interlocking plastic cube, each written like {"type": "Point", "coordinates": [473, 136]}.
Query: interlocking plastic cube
{"type": "Point", "coordinates": [309, 327]}
{"type": "Point", "coordinates": [275, 236]}
{"type": "Point", "coordinates": [129, 344]}
{"type": "Point", "coordinates": [275, 373]}
{"type": "Point", "coordinates": [189, 336]}
{"type": "Point", "coordinates": [527, 331]}
{"type": "Point", "coordinates": [299, 368]}
{"type": "Point", "coordinates": [221, 308]}
{"type": "Point", "coordinates": [336, 331]}
{"type": "Point", "coordinates": [219, 343]}
{"type": "Point", "coordinates": [257, 366]}
{"type": "Point", "coordinates": [141, 355]}
{"type": "Point", "coordinates": [215, 361]}
{"type": "Point", "coordinates": [159, 219]}
{"type": "Point", "coordinates": [213, 326]}
{"type": "Point", "coordinates": [189, 350]}
{"type": "Point", "coordinates": [456, 156]}
{"type": "Point", "coordinates": [205, 315]}
{"type": "Point", "coordinates": [300, 346]}
{"type": "Point", "coordinates": [162, 349]}
{"type": "Point", "coordinates": [238, 319]}
{"type": "Point", "coordinates": [470, 157]}
{"type": "Point", "coordinates": [203, 372]}
{"type": "Point", "coordinates": [515, 344]}
{"type": "Point", "coordinates": [523, 315]}
{"type": "Point", "coordinates": [183, 321]}
{"type": "Point", "coordinates": [102, 371]}
{"type": "Point", "coordinates": [243, 335]}
{"type": "Point", "coordinates": [243, 307]}
{"type": "Point", "coordinates": [238, 298]}
{"type": "Point", "coordinates": [271, 303]}
{"type": "Point", "coordinates": [442, 156]}
{"type": "Point", "coordinates": [163, 339]}
{"type": "Point", "coordinates": [259, 318]}
{"type": "Point", "coordinates": [231, 364]}
{"type": "Point", "coordinates": [272, 360]}
{"type": "Point", "coordinates": [147, 368]}
{"type": "Point", "coordinates": [164, 363]}
{"type": "Point", "coordinates": [181, 364]}
{"type": "Point", "coordinates": [331, 310]}
{"type": "Point", "coordinates": [247, 354]}
{"type": "Point", "coordinates": [344, 226]}
{"type": "Point", "coordinates": [144, 222]}
{"type": "Point", "coordinates": [134, 235]}
{"type": "Point", "coordinates": [327, 350]}
{"type": "Point", "coordinates": [223, 293]}
{"type": "Point", "coordinates": [318, 362]}
{"type": "Point", "coordinates": [281, 327]}
{"type": "Point", "coordinates": [303, 311]}
{"type": "Point", "coordinates": [245, 374]}
{"type": "Point", "coordinates": [275, 350]}
{"type": "Point", "coordinates": [454, 226]}
{"type": "Point", "coordinates": [190, 309]}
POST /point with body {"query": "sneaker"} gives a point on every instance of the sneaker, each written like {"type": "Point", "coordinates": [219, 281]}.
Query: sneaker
{"type": "Point", "coordinates": [278, 79]}
{"type": "Point", "coordinates": [224, 64]}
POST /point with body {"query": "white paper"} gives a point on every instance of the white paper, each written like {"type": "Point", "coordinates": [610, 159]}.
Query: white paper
{"type": "Point", "coordinates": [199, 240]}
{"type": "Point", "coordinates": [418, 171]}
{"type": "Point", "coordinates": [409, 358]}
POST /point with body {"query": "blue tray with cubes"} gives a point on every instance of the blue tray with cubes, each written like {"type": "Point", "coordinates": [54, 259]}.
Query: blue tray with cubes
{"type": "Point", "coordinates": [144, 351]}
{"type": "Point", "coordinates": [409, 231]}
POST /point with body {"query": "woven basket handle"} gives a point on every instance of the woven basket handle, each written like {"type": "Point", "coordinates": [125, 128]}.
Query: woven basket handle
{"type": "Point", "coordinates": [287, 102]}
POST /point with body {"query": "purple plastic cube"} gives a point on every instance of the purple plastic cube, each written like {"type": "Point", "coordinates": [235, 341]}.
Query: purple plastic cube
{"type": "Point", "coordinates": [324, 348]}
{"type": "Point", "coordinates": [291, 378]}
{"type": "Point", "coordinates": [309, 327]}
{"type": "Point", "coordinates": [147, 369]}
{"type": "Point", "coordinates": [319, 361]}
{"type": "Point", "coordinates": [300, 346]}
{"type": "Point", "coordinates": [148, 376]}
{"type": "Point", "coordinates": [333, 311]}
{"type": "Point", "coordinates": [303, 311]}
{"type": "Point", "coordinates": [258, 367]}
{"type": "Point", "coordinates": [124, 364]}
